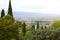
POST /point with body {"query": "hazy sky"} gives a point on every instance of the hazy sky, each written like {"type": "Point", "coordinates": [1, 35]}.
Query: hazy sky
{"type": "Point", "coordinates": [39, 6]}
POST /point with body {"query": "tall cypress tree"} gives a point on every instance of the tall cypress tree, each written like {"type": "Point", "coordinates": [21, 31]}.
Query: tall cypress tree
{"type": "Point", "coordinates": [37, 24]}
{"type": "Point", "coordinates": [10, 8]}
{"type": "Point", "coordinates": [24, 29]}
{"type": "Point", "coordinates": [33, 26]}
{"type": "Point", "coordinates": [2, 13]}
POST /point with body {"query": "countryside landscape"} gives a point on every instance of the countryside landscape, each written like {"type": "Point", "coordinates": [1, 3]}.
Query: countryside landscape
{"type": "Point", "coordinates": [16, 24]}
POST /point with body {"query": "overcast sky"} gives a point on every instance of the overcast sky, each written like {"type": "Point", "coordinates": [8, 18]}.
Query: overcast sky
{"type": "Point", "coordinates": [39, 6]}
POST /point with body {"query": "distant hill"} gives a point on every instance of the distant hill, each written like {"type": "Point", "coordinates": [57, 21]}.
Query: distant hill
{"type": "Point", "coordinates": [35, 16]}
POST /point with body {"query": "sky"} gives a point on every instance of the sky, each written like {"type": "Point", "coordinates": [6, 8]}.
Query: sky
{"type": "Point", "coordinates": [38, 6]}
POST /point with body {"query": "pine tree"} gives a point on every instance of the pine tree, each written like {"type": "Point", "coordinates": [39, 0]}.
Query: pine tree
{"type": "Point", "coordinates": [24, 29]}
{"type": "Point", "coordinates": [2, 13]}
{"type": "Point", "coordinates": [37, 24]}
{"type": "Point", "coordinates": [10, 9]}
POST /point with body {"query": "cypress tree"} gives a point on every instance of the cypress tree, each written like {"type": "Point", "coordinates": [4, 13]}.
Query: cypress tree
{"type": "Point", "coordinates": [33, 26]}
{"type": "Point", "coordinates": [37, 24]}
{"type": "Point", "coordinates": [2, 13]}
{"type": "Point", "coordinates": [24, 29]}
{"type": "Point", "coordinates": [10, 8]}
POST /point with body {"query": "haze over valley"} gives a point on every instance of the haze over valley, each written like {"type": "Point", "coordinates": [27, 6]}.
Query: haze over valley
{"type": "Point", "coordinates": [35, 16]}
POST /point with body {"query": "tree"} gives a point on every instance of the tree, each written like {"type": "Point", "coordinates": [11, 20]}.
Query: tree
{"type": "Point", "coordinates": [33, 26]}
{"type": "Point", "coordinates": [24, 29]}
{"type": "Point", "coordinates": [37, 24]}
{"type": "Point", "coordinates": [55, 24]}
{"type": "Point", "coordinates": [44, 34]}
{"type": "Point", "coordinates": [5, 23]}
{"type": "Point", "coordinates": [8, 28]}
{"type": "Point", "coordinates": [2, 13]}
{"type": "Point", "coordinates": [6, 20]}
{"type": "Point", "coordinates": [10, 9]}
{"type": "Point", "coordinates": [15, 29]}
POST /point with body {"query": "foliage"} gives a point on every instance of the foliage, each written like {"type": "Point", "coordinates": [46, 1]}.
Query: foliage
{"type": "Point", "coordinates": [2, 13]}
{"type": "Point", "coordinates": [45, 34]}
{"type": "Point", "coordinates": [56, 24]}
{"type": "Point", "coordinates": [37, 24]}
{"type": "Point", "coordinates": [27, 35]}
{"type": "Point", "coordinates": [10, 8]}
{"type": "Point", "coordinates": [8, 28]}
{"type": "Point", "coordinates": [6, 20]}
{"type": "Point", "coordinates": [24, 29]}
{"type": "Point", "coordinates": [33, 27]}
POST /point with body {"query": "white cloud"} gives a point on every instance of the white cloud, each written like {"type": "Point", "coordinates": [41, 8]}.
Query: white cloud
{"type": "Point", "coordinates": [40, 6]}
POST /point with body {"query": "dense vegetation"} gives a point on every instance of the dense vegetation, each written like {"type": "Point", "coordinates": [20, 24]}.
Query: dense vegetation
{"type": "Point", "coordinates": [11, 29]}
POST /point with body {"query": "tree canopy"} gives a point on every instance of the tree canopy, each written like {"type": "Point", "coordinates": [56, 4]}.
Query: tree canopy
{"type": "Point", "coordinates": [56, 24]}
